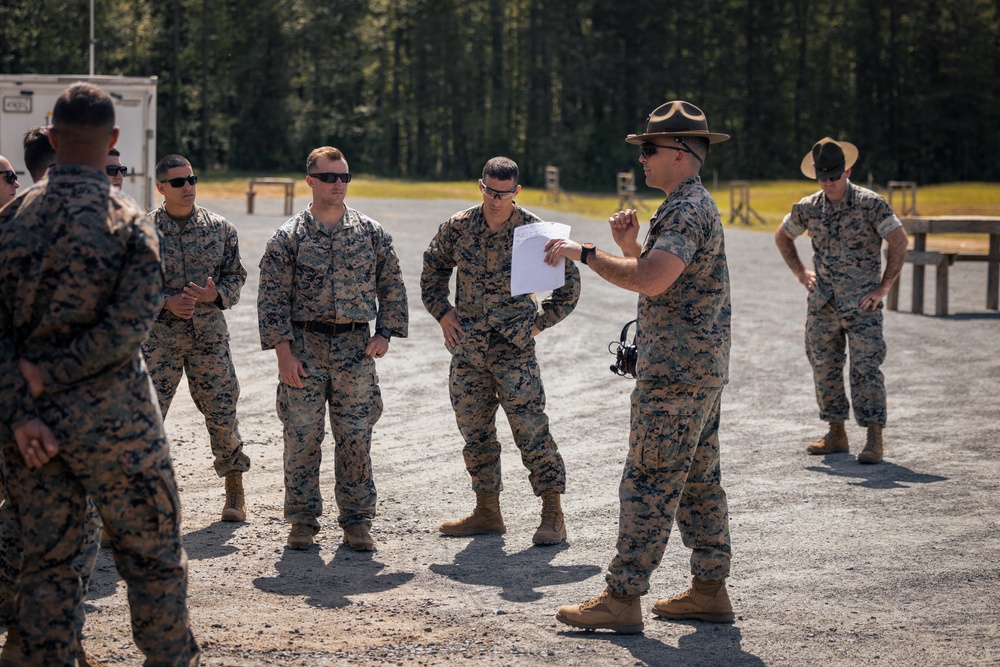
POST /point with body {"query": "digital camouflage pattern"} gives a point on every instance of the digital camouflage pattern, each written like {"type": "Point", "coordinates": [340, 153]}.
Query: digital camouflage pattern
{"type": "Point", "coordinates": [342, 376]}
{"type": "Point", "coordinates": [207, 245]}
{"type": "Point", "coordinates": [507, 376]}
{"type": "Point", "coordinates": [11, 552]}
{"type": "Point", "coordinates": [309, 274]}
{"type": "Point", "coordinates": [846, 238]}
{"type": "Point", "coordinates": [673, 465]}
{"type": "Point", "coordinates": [683, 335]}
{"type": "Point", "coordinates": [494, 364]}
{"type": "Point", "coordinates": [827, 332]}
{"type": "Point", "coordinates": [214, 388]}
{"type": "Point", "coordinates": [672, 471]}
{"type": "Point", "coordinates": [80, 283]}
{"type": "Point", "coordinates": [349, 274]}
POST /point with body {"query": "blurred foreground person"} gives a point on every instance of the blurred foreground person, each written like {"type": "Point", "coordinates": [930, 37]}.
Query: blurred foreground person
{"type": "Point", "coordinates": [80, 284]}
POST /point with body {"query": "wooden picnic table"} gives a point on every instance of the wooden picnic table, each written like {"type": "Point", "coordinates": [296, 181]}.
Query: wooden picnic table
{"type": "Point", "coordinates": [919, 227]}
{"type": "Point", "coordinates": [287, 183]}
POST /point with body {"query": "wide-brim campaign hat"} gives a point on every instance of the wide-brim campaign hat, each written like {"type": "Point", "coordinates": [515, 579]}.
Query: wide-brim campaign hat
{"type": "Point", "coordinates": [829, 158]}
{"type": "Point", "coordinates": [676, 119]}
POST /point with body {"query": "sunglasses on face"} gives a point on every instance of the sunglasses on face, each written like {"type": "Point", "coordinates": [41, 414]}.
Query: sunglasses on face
{"type": "Point", "coordinates": [648, 149]}
{"type": "Point", "coordinates": [174, 182]}
{"type": "Point", "coordinates": [502, 195]}
{"type": "Point", "coordinates": [11, 176]}
{"type": "Point", "coordinates": [332, 177]}
{"type": "Point", "coordinates": [832, 179]}
{"type": "Point", "coordinates": [114, 169]}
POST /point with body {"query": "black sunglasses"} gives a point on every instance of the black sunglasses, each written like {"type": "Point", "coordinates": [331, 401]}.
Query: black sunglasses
{"type": "Point", "coordinates": [11, 176]}
{"type": "Point", "coordinates": [648, 149]}
{"type": "Point", "coordinates": [832, 179]}
{"type": "Point", "coordinates": [332, 177]}
{"type": "Point", "coordinates": [175, 182]}
{"type": "Point", "coordinates": [114, 169]}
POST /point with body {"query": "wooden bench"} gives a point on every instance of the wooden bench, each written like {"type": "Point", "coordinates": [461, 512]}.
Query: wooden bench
{"type": "Point", "coordinates": [287, 183]}
{"type": "Point", "coordinates": [921, 258]}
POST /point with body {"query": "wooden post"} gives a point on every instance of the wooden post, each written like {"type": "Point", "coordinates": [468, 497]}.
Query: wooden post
{"type": "Point", "coordinates": [993, 274]}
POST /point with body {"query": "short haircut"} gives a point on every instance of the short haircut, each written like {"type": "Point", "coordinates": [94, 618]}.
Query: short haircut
{"type": "Point", "coordinates": [502, 169]}
{"type": "Point", "coordinates": [699, 146]}
{"type": "Point", "coordinates": [38, 152]}
{"type": "Point", "coordinates": [329, 152]}
{"type": "Point", "coordinates": [83, 105]}
{"type": "Point", "coordinates": [115, 152]}
{"type": "Point", "coordinates": [170, 162]}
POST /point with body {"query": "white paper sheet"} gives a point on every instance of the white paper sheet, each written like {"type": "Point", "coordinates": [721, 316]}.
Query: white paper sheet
{"type": "Point", "coordinates": [529, 273]}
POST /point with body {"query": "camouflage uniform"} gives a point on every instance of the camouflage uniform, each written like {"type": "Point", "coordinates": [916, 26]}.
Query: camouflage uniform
{"type": "Point", "coordinates": [205, 246]}
{"type": "Point", "coordinates": [494, 364]}
{"type": "Point", "coordinates": [847, 242]}
{"type": "Point", "coordinates": [10, 549]}
{"type": "Point", "coordinates": [80, 283]}
{"type": "Point", "coordinates": [349, 275]}
{"type": "Point", "coordinates": [683, 339]}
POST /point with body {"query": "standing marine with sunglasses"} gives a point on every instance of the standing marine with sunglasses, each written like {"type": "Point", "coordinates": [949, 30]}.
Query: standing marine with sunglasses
{"type": "Point", "coordinates": [490, 335]}
{"type": "Point", "coordinates": [116, 172]}
{"type": "Point", "coordinates": [8, 182]}
{"type": "Point", "coordinates": [202, 276]}
{"type": "Point", "coordinates": [846, 225]}
{"type": "Point", "coordinates": [672, 469]}
{"type": "Point", "coordinates": [326, 274]}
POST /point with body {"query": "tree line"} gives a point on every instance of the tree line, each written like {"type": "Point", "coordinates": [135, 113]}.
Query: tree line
{"type": "Point", "coordinates": [430, 89]}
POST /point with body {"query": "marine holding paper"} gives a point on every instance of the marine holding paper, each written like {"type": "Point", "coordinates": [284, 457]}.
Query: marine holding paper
{"type": "Point", "coordinates": [490, 335]}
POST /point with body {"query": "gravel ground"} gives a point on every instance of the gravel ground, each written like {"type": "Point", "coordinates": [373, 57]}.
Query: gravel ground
{"type": "Point", "coordinates": [834, 563]}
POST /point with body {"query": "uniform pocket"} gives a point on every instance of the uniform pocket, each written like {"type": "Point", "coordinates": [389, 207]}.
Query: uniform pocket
{"type": "Point", "coordinates": [664, 441]}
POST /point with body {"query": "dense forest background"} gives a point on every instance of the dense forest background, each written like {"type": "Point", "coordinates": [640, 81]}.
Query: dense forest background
{"type": "Point", "coordinates": [431, 88]}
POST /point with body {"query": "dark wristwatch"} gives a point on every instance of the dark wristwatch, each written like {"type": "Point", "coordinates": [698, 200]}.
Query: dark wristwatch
{"type": "Point", "coordinates": [586, 251]}
{"type": "Point", "coordinates": [384, 332]}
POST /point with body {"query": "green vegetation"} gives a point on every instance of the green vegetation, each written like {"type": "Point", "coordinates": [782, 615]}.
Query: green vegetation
{"type": "Point", "coordinates": [770, 199]}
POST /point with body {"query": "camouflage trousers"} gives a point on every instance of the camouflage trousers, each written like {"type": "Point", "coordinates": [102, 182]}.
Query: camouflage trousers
{"type": "Point", "coordinates": [214, 390]}
{"type": "Point", "coordinates": [342, 376]}
{"type": "Point", "coordinates": [827, 335]}
{"type": "Point", "coordinates": [672, 472]}
{"type": "Point", "coordinates": [505, 376]}
{"type": "Point", "coordinates": [112, 449]}
{"type": "Point", "coordinates": [11, 551]}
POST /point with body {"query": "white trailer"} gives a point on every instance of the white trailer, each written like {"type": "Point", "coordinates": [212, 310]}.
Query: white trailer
{"type": "Point", "coordinates": [27, 101]}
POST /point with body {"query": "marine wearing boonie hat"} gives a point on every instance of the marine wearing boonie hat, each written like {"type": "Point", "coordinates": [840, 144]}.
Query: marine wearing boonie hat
{"type": "Point", "coordinates": [828, 159]}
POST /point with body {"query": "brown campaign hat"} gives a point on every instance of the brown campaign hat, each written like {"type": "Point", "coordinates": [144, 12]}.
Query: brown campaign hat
{"type": "Point", "coordinates": [829, 158]}
{"type": "Point", "coordinates": [676, 119]}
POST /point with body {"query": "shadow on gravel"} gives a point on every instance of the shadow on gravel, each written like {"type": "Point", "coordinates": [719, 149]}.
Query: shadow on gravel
{"type": "Point", "coordinates": [210, 541]}
{"type": "Point", "coordinates": [519, 575]}
{"type": "Point", "coordinates": [710, 645]}
{"type": "Point", "coordinates": [304, 574]}
{"type": "Point", "coordinates": [883, 475]}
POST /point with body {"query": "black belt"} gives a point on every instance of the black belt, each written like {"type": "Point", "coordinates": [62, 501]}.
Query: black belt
{"type": "Point", "coordinates": [329, 329]}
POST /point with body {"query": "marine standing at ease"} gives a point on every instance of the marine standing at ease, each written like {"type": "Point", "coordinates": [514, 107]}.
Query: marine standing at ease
{"type": "Point", "coordinates": [75, 392]}
{"type": "Point", "coordinates": [203, 276]}
{"type": "Point", "coordinates": [490, 335]}
{"type": "Point", "coordinates": [326, 274]}
{"type": "Point", "coordinates": [846, 225]}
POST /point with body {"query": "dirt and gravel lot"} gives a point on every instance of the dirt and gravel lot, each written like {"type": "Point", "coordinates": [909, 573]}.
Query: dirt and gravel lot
{"type": "Point", "coordinates": [833, 563]}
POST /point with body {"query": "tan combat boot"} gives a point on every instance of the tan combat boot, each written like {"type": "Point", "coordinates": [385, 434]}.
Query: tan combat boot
{"type": "Point", "coordinates": [872, 453]}
{"type": "Point", "coordinates": [11, 654]}
{"type": "Point", "coordinates": [552, 530]}
{"type": "Point", "coordinates": [484, 520]}
{"type": "Point", "coordinates": [835, 441]}
{"type": "Point", "coordinates": [236, 504]}
{"type": "Point", "coordinates": [706, 600]}
{"type": "Point", "coordinates": [301, 536]}
{"type": "Point", "coordinates": [607, 611]}
{"type": "Point", "coordinates": [358, 538]}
